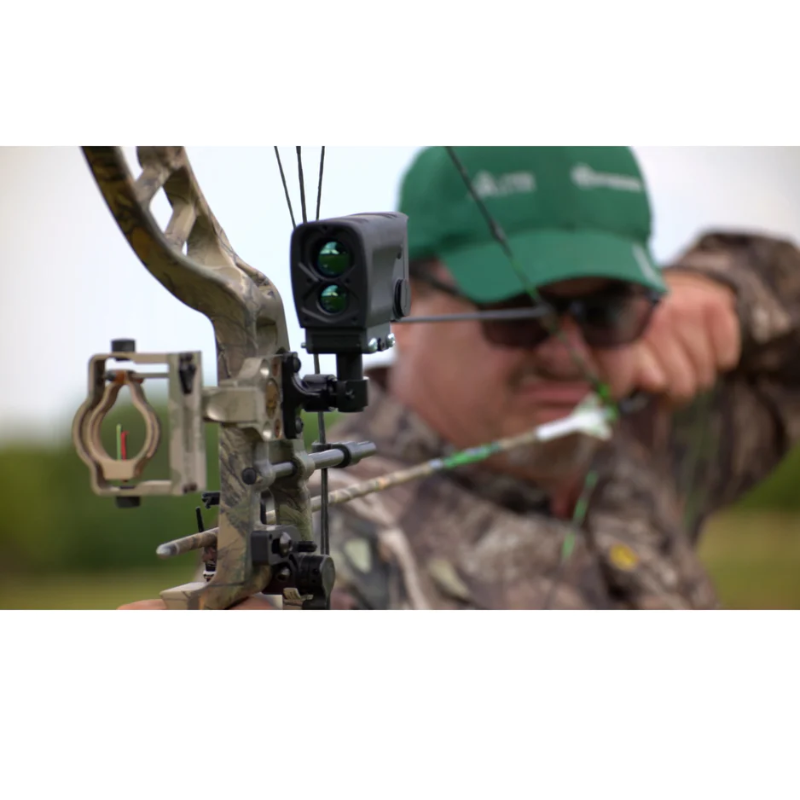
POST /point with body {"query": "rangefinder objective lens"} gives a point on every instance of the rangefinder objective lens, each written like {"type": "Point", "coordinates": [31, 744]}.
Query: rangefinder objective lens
{"type": "Point", "coordinates": [333, 260]}
{"type": "Point", "coordinates": [333, 299]}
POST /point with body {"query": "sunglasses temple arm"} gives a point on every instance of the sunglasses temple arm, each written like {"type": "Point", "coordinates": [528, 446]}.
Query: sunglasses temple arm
{"type": "Point", "coordinates": [484, 316]}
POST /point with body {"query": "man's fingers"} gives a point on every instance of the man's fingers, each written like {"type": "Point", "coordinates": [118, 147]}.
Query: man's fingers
{"type": "Point", "coordinates": [726, 336]}
{"type": "Point", "coordinates": [715, 305]}
{"type": "Point", "coordinates": [694, 338]}
{"type": "Point", "coordinates": [648, 375]}
{"type": "Point", "coordinates": [680, 375]}
{"type": "Point", "coordinates": [256, 603]}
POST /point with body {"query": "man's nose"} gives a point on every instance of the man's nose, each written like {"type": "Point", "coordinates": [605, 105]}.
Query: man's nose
{"type": "Point", "coordinates": [568, 338]}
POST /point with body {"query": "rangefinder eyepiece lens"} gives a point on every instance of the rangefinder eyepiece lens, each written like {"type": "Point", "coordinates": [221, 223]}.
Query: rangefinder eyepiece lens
{"type": "Point", "coordinates": [333, 299]}
{"type": "Point", "coordinates": [333, 260]}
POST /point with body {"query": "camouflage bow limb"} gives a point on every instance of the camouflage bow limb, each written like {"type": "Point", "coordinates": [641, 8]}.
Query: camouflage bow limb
{"type": "Point", "coordinates": [194, 260]}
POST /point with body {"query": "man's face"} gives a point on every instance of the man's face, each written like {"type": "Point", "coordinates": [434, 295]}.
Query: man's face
{"type": "Point", "coordinates": [473, 391]}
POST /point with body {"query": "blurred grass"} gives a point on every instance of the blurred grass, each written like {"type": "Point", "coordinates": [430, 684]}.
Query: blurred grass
{"type": "Point", "coordinates": [753, 558]}
{"type": "Point", "coordinates": [65, 548]}
{"type": "Point", "coordinates": [90, 591]}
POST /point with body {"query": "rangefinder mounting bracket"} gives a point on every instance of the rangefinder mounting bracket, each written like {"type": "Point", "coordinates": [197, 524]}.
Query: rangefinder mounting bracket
{"type": "Point", "coordinates": [350, 281]}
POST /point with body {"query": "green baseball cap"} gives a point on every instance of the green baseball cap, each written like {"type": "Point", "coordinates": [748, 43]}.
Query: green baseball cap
{"type": "Point", "coordinates": [568, 212]}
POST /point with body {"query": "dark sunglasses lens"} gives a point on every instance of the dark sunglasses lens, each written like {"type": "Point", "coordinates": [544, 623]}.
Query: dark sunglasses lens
{"type": "Point", "coordinates": [515, 333]}
{"type": "Point", "coordinates": [615, 321]}
{"type": "Point", "coordinates": [607, 320]}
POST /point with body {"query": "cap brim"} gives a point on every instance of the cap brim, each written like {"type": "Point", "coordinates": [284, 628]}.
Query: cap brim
{"type": "Point", "coordinates": [486, 275]}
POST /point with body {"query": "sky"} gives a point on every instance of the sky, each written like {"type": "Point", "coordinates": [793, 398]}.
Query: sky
{"type": "Point", "coordinates": [71, 283]}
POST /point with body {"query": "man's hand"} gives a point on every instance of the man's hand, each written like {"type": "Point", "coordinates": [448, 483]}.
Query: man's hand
{"type": "Point", "coordinates": [340, 601]}
{"type": "Point", "coordinates": [694, 336]}
{"type": "Point", "coordinates": [259, 603]}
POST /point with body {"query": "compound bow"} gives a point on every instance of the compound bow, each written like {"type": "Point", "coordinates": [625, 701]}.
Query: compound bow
{"type": "Point", "coordinates": [261, 452]}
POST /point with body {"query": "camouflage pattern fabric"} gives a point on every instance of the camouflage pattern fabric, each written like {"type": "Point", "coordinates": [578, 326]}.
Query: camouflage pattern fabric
{"type": "Point", "coordinates": [473, 539]}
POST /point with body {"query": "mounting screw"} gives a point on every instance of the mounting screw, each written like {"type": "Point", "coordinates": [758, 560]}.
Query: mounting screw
{"type": "Point", "coordinates": [298, 424]}
{"type": "Point", "coordinates": [284, 544]}
{"type": "Point", "coordinates": [391, 340]}
{"type": "Point", "coordinates": [296, 365]}
{"type": "Point", "coordinates": [249, 476]}
{"type": "Point", "coordinates": [373, 346]}
{"type": "Point", "coordinates": [123, 346]}
{"type": "Point", "coordinates": [303, 345]}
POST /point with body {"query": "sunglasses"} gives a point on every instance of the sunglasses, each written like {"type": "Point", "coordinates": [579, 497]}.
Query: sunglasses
{"type": "Point", "coordinates": [614, 316]}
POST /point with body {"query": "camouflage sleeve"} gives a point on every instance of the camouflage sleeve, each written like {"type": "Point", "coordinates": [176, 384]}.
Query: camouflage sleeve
{"type": "Point", "coordinates": [732, 438]}
{"type": "Point", "coordinates": [367, 575]}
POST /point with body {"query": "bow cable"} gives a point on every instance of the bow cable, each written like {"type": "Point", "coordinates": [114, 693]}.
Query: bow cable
{"type": "Point", "coordinates": [324, 544]}
{"type": "Point", "coordinates": [322, 444]}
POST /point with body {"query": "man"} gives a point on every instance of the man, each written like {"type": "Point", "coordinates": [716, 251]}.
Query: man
{"type": "Point", "coordinates": [578, 523]}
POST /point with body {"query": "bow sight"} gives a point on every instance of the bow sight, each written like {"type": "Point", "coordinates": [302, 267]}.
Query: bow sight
{"type": "Point", "coordinates": [350, 281]}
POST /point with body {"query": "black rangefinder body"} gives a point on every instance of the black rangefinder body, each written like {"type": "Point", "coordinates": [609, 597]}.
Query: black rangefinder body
{"type": "Point", "coordinates": [350, 281]}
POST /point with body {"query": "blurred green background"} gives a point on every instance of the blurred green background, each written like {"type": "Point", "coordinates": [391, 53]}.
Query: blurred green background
{"type": "Point", "coordinates": [65, 548]}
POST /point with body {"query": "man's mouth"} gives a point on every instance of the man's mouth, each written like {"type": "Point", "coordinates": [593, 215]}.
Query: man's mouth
{"type": "Point", "coordinates": [543, 392]}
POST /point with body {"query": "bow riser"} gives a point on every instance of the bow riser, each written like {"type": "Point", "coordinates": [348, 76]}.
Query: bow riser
{"type": "Point", "coordinates": [247, 315]}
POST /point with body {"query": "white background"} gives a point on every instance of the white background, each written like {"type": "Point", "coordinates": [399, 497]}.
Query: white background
{"type": "Point", "coordinates": [501, 705]}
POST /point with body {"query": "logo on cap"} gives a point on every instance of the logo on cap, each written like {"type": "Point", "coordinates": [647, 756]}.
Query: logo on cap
{"type": "Point", "coordinates": [488, 185]}
{"type": "Point", "coordinates": [584, 176]}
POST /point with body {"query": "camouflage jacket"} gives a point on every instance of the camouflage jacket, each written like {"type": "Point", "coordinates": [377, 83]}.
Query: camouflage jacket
{"type": "Point", "coordinates": [472, 539]}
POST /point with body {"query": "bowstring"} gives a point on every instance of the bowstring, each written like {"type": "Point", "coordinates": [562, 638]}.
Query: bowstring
{"type": "Point", "coordinates": [554, 328]}
{"type": "Point", "coordinates": [319, 180]}
{"type": "Point", "coordinates": [285, 187]}
{"type": "Point", "coordinates": [302, 180]}
{"type": "Point", "coordinates": [324, 543]}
